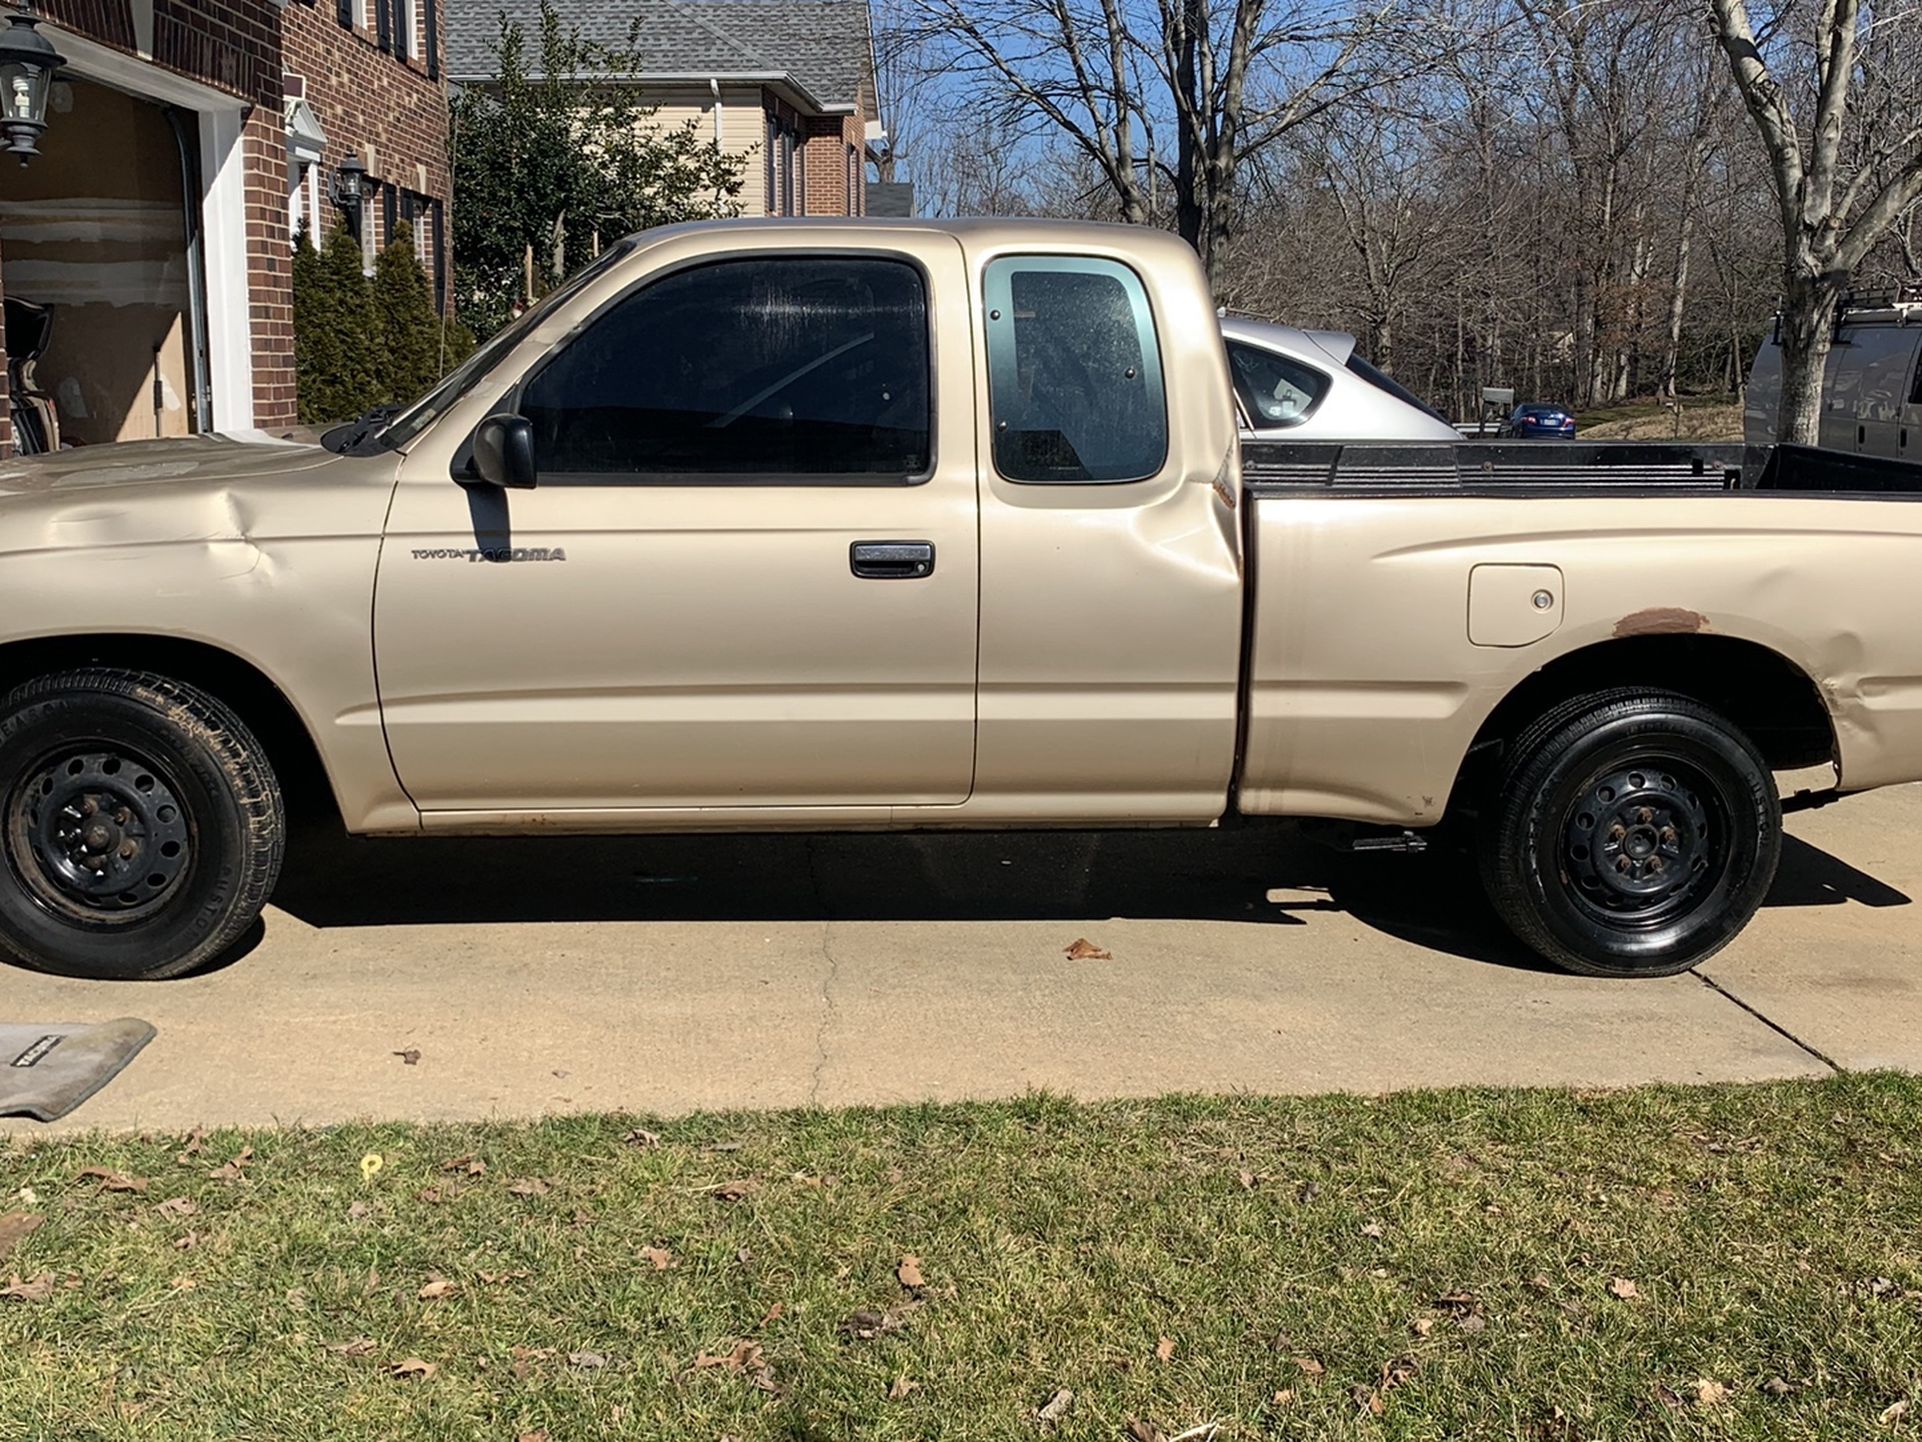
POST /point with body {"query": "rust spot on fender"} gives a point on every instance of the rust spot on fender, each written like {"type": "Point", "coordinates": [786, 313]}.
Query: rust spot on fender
{"type": "Point", "coordinates": [1662, 621]}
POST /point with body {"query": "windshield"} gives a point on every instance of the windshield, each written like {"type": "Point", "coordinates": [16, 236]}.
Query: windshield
{"type": "Point", "coordinates": [477, 367]}
{"type": "Point", "coordinates": [1395, 388]}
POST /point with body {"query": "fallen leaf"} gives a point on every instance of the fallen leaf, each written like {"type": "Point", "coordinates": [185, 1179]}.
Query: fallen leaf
{"type": "Point", "coordinates": [177, 1207]}
{"type": "Point", "coordinates": [1540, 1283]}
{"type": "Point", "coordinates": [866, 1326]}
{"type": "Point", "coordinates": [196, 1144]}
{"type": "Point", "coordinates": [1709, 1393]}
{"type": "Point", "coordinates": [358, 1347]}
{"type": "Point", "coordinates": [1395, 1372]}
{"type": "Point", "coordinates": [744, 1354]}
{"type": "Point", "coordinates": [532, 1437]}
{"type": "Point", "coordinates": [1473, 1322]}
{"type": "Point", "coordinates": [1284, 1396]}
{"type": "Point", "coordinates": [432, 1196]}
{"type": "Point", "coordinates": [1082, 949]}
{"type": "Point", "coordinates": [909, 1273]}
{"type": "Point", "coordinates": [1776, 1387]}
{"type": "Point", "coordinates": [438, 1288]}
{"type": "Point", "coordinates": [723, 1146]}
{"type": "Point", "coordinates": [587, 1361]}
{"type": "Point", "coordinates": [1625, 1289]}
{"type": "Point", "coordinates": [1373, 1229]}
{"type": "Point", "coordinates": [359, 1211]}
{"type": "Point", "coordinates": [1056, 1407]}
{"type": "Point", "coordinates": [642, 1137]}
{"type": "Point", "coordinates": [773, 1313]}
{"type": "Point", "coordinates": [111, 1181]}
{"type": "Point", "coordinates": [38, 1290]}
{"type": "Point", "coordinates": [187, 1242]}
{"type": "Point", "coordinates": [660, 1258]}
{"type": "Point", "coordinates": [1422, 1326]}
{"type": "Point", "coordinates": [413, 1367]}
{"type": "Point", "coordinates": [15, 1228]}
{"type": "Point", "coordinates": [495, 1279]}
{"type": "Point", "coordinates": [467, 1166]}
{"type": "Point", "coordinates": [1456, 1302]}
{"type": "Point", "coordinates": [1309, 1366]}
{"type": "Point", "coordinates": [902, 1386]}
{"type": "Point", "coordinates": [1368, 1400]}
{"type": "Point", "coordinates": [1669, 1397]}
{"type": "Point", "coordinates": [528, 1187]}
{"type": "Point", "coordinates": [734, 1191]}
{"type": "Point", "coordinates": [234, 1168]}
{"type": "Point", "coordinates": [1142, 1430]}
{"type": "Point", "coordinates": [1165, 1350]}
{"type": "Point", "coordinates": [184, 1284]}
{"type": "Point", "coordinates": [410, 1057]}
{"type": "Point", "coordinates": [1894, 1413]}
{"type": "Point", "coordinates": [1247, 1181]}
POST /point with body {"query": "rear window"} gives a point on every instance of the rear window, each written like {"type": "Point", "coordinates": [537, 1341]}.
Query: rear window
{"type": "Point", "coordinates": [1274, 390]}
{"type": "Point", "coordinates": [1074, 372]}
{"type": "Point", "coordinates": [1381, 380]}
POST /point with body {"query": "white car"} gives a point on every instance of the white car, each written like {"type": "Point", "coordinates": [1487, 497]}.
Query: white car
{"type": "Point", "coordinates": [1309, 385]}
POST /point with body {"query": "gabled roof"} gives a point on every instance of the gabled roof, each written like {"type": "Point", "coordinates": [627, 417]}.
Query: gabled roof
{"type": "Point", "coordinates": [821, 47]}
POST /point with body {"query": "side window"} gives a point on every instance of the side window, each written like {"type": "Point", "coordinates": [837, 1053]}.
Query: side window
{"type": "Point", "coordinates": [1074, 371]}
{"type": "Point", "coordinates": [1915, 387]}
{"type": "Point", "coordinates": [1275, 390]}
{"type": "Point", "coordinates": [791, 366]}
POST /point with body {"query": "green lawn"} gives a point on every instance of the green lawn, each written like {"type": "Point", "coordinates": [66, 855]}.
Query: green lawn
{"type": "Point", "coordinates": [1531, 1265]}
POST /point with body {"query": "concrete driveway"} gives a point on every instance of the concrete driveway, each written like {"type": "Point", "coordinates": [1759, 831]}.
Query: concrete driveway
{"type": "Point", "coordinates": [674, 974]}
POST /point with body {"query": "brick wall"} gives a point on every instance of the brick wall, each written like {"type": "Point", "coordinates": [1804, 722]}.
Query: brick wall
{"type": "Point", "coordinates": [390, 111]}
{"type": "Point", "coordinates": [835, 173]}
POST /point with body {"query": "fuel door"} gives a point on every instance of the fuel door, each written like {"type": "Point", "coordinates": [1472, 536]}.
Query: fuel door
{"type": "Point", "coordinates": [1513, 605]}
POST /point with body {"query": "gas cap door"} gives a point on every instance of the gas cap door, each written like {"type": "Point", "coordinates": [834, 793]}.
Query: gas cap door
{"type": "Point", "coordinates": [1513, 605]}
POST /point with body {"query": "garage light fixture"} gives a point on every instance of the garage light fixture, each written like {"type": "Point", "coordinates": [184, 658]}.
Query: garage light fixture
{"type": "Point", "coordinates": [28, 63]}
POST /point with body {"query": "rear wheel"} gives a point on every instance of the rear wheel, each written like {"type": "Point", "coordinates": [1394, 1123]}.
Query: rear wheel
{"type": "Point", "coordinates": [140, 824]}
{"type": "Point", "coordinates": [1633, 834]}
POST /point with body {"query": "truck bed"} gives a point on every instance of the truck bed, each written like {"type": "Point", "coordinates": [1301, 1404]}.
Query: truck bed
{"type": "Point", "coordinates": [1560, 468]}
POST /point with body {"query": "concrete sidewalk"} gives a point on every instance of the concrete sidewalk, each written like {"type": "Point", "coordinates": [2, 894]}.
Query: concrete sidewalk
{"type": "Point", "coordinates": [673, 974]}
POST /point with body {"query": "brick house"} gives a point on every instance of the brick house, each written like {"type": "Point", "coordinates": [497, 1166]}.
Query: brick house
{"type": "Point", "coordinates": [186, 142]}
{"type": "Point", "coordinates": [787, 85]}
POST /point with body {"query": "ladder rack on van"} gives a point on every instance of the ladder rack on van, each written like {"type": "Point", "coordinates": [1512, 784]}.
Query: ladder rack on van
{"type": "Point", "coordinates": [1899, 304]}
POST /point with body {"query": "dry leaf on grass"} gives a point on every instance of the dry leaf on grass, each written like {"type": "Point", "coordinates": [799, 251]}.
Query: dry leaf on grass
{"type": "Point", "coordinates": [587, 1361]}
{"type": "Point", "coordinates": [435, 1290]}
{"type": "Point", "coordinates": [1894, 1413]}
{"type": "Point", "coordinates": [1056, 1407]}
{"type": "Point", "coordinates": [177, 1207]}
{"type": "Point", "coordinates": [1776, 1387]}
{"type": "Point", "coordinates": [1248, 1180]}
{"type": "Point", "coordinates": [1165, 1350]}
{"type": "Point", "coordinates": [1368, 1400]}
{"type": "Point", "coordinates": [743, 1360]}
{"type": "Point", "coordinates": [1669, 1397]}
{"type": "Point", "coordinates": [528, 1187]}
{"type": "Point", "coordinates": [532, 1437]}
{"type": "Point", "coordinates": [37, 1290]}
{"type": "Point", "coordinates": [1140, 1429]}
{"type": "Point", "coordinates": [866, 1326]}
{"type": "Point", "coordinates": [359, 1211]}
{"type": "Point", "coordinates": [909, 1273]}
{"type": "Point", "coordinates": [1283, 1396]}
{"type": "Point", "coordinates": [358, 1347]}
{"type": "Point", "coordinates": [196, 1144]}
{"type": "Point", "coordinates": [111, 1181]}
{"type": "Point", "coordinates": [1422, 1326]}
{"type": "Point", "coordinates": [187, 1242]}
{"type": "Point", "coordinates": [1709, 1393]}
{"type": "Point", "coordinates": [1309, 1366]}
{"type": "Point", "coordinates": [642, 1137]}
{"type": "Point", "coordinates": [16, 1227]}
{"type": "Point", "coordinates": [902, 1386]}
{"type": "Point", "coordinates": [494, 1279]}
{"type": "Point", "coordinates": [1373, 1229]}
{"type": "Point", "coordinates": [415, 1369]}
{"type": "Point", "coordinates": [1625, 1289]}
{"type": "Point", "coordinates": [466, 1166]}
{"type": "Point", "coordinates": [1082, 949]}
{"type": "Point", "coordinates": [234, 1168]}
{"type": "Point", "coordinates": [735, 1190]}
{"type": "Point", "coordinates": [660, 1258]}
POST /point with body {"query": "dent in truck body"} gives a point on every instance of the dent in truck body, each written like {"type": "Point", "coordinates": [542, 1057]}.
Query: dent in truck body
{"type": "Point", "coordinates": [1366, 691]}
{"type": "Point", "coordinates": [262, 552]}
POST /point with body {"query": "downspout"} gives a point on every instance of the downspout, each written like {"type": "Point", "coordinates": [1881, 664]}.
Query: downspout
{"type": "Point", "coordinates": [714, 89]}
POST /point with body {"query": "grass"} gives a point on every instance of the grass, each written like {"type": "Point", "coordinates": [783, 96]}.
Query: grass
{"type": "Point", "coordinates": [1702, 418]}
{"type": "Point", "coordinates": [1430, 1265]}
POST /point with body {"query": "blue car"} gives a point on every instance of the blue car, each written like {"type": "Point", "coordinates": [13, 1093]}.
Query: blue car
{"type": "Point", "coordinates": [1540, 423]}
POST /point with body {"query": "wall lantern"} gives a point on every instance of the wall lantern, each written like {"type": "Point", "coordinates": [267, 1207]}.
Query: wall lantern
{"type": "Point", "coordinates": [28, 63]}
{"type": "Point", "coordinates": [350, 185]}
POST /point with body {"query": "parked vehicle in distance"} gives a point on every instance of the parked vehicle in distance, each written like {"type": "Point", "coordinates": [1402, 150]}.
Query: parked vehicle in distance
{"type": "Point", "coordinates": [1310, 385]}
{"type": "Point", "coordinates": [1871, 386]}
{"type": "Point", "coordinates": [817, 525]}
{"type": "Point", "coordinates": [1539, 422]}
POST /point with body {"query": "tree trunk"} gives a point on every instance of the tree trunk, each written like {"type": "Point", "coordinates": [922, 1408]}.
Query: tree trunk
{"type": "Point", "coordinates": [1808, 330]}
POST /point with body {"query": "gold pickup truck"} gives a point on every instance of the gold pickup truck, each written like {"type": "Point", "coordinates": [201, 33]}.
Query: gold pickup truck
{"type": "Point", "coordinates": [829, 525]}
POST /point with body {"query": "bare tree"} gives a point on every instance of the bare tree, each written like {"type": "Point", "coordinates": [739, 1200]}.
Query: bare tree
{"type": "Point", "coordinates": [1840, 187]}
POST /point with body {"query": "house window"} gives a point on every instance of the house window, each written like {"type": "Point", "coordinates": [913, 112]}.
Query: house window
{"type": "Point", "coordinates": [786, 168]}
{"type": "Point", "coordinates": [404, 22]}
{"type": "Point", "coordinates": [854, 183]}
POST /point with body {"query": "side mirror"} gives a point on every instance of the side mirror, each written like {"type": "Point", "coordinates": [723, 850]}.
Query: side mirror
{"type": "Point", "coordinates": [504, 452]}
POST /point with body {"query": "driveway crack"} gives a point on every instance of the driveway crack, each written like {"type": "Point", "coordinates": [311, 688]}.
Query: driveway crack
{"type": "Point", "coordinates": [1775, 1026]}
{"type": "Point", "coordinates": [830, 1007]}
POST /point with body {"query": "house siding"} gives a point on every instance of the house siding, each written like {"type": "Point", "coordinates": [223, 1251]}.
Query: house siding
{"type": "Point", "coordinates": [742, 128]}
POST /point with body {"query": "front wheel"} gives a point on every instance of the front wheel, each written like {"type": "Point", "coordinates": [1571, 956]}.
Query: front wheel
{"type": "Point", "coordinates": [141, 825]}
{"type": "Point", "coordinates": [1634, 834]}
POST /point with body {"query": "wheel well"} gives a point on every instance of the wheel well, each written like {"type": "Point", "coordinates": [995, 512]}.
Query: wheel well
{"type": "Point", "coordinates": [1771, 699]}
{"type": "Point", "coordinates": [250, 692]}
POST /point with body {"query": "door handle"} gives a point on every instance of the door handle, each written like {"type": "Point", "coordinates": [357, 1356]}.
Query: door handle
{"type": "Point", "coordinates": [891, 560]}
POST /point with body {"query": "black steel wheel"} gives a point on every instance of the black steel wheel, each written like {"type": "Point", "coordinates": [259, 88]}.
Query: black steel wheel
{"type": "Point", "coordinates": [1632, 834]}
{"type": "Point", "coordinates": [140, 825]}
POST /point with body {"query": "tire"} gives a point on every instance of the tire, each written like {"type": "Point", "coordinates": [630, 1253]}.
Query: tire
{"type": "Point", "coordinates": [1633, 833]}
{"type": "Point", "coordinates": [141, 828]}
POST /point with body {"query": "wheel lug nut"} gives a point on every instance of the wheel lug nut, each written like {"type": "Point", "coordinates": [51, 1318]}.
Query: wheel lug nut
{"type": "Point", "coordinates": [1617, 832]}
{"type": "Point", "coordinates": [122, 816]}
{"type": "Point", "coordinates": [1624, 865]}
{"type": "Point", "coordinates": [1645, 815]}
{"type": "Point", "coordinates": [89, 806]}
{"type": "Point", "coordinates": [126, 851]}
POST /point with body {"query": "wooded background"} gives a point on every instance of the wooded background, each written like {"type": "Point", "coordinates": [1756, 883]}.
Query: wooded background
{"type": "Point", "coordinates": [1572, 199]}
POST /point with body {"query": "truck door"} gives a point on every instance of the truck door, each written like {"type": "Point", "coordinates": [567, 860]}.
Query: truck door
{"type": "Point", "coordinates": [747, 576]}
